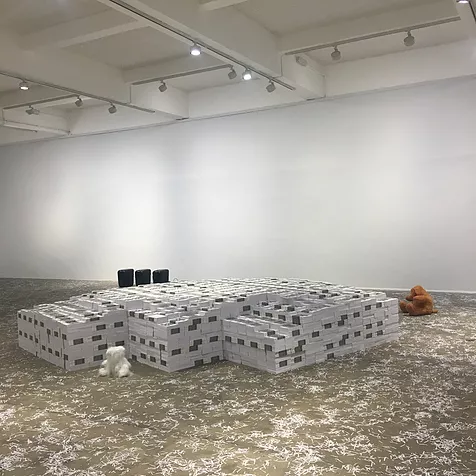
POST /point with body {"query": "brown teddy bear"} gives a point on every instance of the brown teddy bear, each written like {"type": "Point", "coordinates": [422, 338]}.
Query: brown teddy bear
{"type": "Point", "coordinates": [421, 303]}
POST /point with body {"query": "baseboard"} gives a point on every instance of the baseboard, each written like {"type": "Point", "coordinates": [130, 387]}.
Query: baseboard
{"type": "Point", "coordinates": [57, 279]}
{"type": "Point", "coordinates": [401, 290]}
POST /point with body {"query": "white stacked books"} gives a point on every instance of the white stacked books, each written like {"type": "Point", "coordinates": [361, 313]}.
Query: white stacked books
{"type": "Point", "coordinates": [271, 324]}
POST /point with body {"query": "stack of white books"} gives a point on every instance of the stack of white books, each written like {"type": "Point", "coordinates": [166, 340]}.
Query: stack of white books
{"type": "Point", "coordinates": [271, 324]}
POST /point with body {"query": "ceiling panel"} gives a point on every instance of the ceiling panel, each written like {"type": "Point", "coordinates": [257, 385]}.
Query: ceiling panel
{"type": "Point", "coordinates": [133, 48]}
{"type": "Point", "coordinates": [25, 16]}
{"type": "Point", "coordinates": [8, 84]}
{"type": "Point", "coordinates": [285, 16]}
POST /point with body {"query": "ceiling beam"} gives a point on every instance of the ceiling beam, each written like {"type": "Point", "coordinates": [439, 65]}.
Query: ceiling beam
{"type": "Point", "coordinates": [94, 120]}
{"type": "Point", "coordinates": [238, 98]}
{"type": "Point", "coordinates": [50, 102]}
{"type": "Point", "coordinates": [44, 103]}
{"type": "Point", "coordinates": [58, 102]}
{"type": "Point", "coordinates": [308, 77]}
{"type": "Point", "coordinates": [216, 4]}
{"type": "Point", "coordinates": [18, 119]}
{"type": "Point", "coordinates": [34, 94]}
{"type": "Point", "coordinates": [81, 30]}
{"type": "Point", "coordinates": [167, 68]}
{"type": "Point", "coordinates": [419, 66]}
{"type": "Point", "coordinates": [334, 33]}
{"type": "Point", "coordinates": [172, 102]}
{"type": "Point", "coordinates": [467, 13]}
{"type": "Point", "coordinates": [308, 80]}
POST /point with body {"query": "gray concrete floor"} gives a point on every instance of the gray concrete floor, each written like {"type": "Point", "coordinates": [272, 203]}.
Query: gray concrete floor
{"type": "Point", "coordinates": [407, 408]}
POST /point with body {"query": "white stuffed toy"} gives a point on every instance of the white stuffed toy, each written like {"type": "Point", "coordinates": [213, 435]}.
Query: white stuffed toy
{"type": "Point", "coordinates": [116, 364]}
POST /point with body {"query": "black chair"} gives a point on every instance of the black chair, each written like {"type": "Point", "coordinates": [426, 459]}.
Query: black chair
{"type": "Point", "coordinates": [161, 276]}
{"type": "Point", "coordinates": [125, 278]}
{"type": "Point", "coordinates": [142, 276]}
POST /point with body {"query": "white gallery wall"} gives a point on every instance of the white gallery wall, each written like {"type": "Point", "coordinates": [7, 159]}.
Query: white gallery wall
{"type": "Point", "coordinates": [376, 190]}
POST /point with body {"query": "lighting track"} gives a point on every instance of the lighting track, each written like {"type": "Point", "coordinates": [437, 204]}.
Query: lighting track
{"type": "Point", "coordinates": [473, 11]}
{"type": "Point", "coordinates": [39, 102]}
{"type": "Point", "coordinates": [74, 92]}
{"type": "Point", "coordinates": [182, 75]}
{"type": "Point", "coordinates": [202, 44]}
{"type": "Point", "coordinates": [371, 36]}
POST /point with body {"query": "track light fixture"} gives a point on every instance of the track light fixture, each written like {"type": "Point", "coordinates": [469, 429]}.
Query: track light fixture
{"type": "Point", "coordinates": [162, 87]}
{"type": "Point", "coordinates": [462, 1]}
{"type": "Point", "coordinates": [246, 75]}
{"type": "Point", "coordinates": [112, 109]}
{"type": "Point", "coordinates": [336, 55]}
{"type": "Point", "coordinates": [232, 74]}
{"type": "Point", "coordinates": [78, 102]}
{"type": "Point", "coordinates": [31, 111]}
{"type": "Point", "coordinates": [24, 86]}
{"type": "Point", "coordinates": [195, 50]}
{"type": "Point", "coordinates": [409, 39]}
{"type": "Point", "coordinates": [301, 61]}
{"type": "Point", "coordinates": [271, 87]}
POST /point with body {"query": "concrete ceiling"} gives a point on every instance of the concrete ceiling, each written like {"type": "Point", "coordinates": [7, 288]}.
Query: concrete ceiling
{"type": "Point", "coordinates": [132, 48]}
{"type": "Point", "coordinates": [26, 16]}
{"type": "Point", "coordinates": [8, 84]}
{"type": "Point", "coordinates": [117, 52]}
{"type": "Point", "coordinates": [281, 17]}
